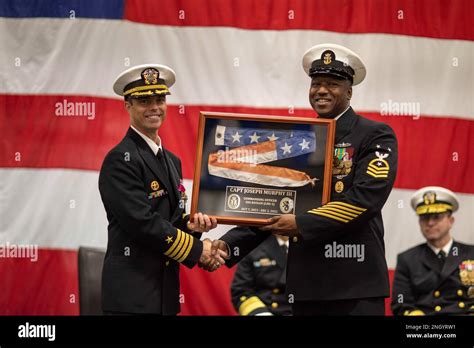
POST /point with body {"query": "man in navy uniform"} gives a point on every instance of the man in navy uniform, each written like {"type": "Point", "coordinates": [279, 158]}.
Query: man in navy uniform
{"type": "Point", "coordinates": [436, 277]}
{"type": "Point", "coordinates": [259, 283]}
{"type": "Point", "coordinates": [317, 283]}
{"type": "Point", "coordinates": [141, 187]}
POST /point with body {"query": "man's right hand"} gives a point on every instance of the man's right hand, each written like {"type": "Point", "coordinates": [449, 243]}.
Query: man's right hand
{"type": "Point", "coordinates": [212, 256]}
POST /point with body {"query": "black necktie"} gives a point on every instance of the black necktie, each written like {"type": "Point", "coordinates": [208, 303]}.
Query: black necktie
{"type": "Point", "coordinates": [441, 257]}
{"type": "Point", "coordinates": [284, 248]}
{"type": "Point", "coordinates": [162, 160]}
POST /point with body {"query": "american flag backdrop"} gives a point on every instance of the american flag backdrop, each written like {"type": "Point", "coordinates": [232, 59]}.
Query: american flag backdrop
{"type": "Point", "coordinates": [59, 115]}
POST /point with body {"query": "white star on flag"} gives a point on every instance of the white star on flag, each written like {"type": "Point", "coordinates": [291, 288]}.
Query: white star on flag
{"type": "Point", "coordinates": [272, 137]}
{"type": "Point", "coordinates": [304, 144]}
{"type": "Point", "coordinates": [286, 148]}
{"type": "Point", "coordinates": [236, 137]}
{"type": "Point", "coordinates": [254, 138]}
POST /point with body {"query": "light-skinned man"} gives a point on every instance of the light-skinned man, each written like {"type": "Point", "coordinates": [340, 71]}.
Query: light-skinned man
{"type": "Point", "coordinates": [436, 277]}
{"type": "Point", "coordinates": [141, 186]}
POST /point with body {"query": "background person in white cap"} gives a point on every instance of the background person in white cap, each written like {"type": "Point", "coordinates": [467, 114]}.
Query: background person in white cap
{"type": "Point", "coordinates": [364, 170]}
{"type": "Point", "coordinates": [436, 277]}
{"type": "Point", "coordinates": [141, 187]}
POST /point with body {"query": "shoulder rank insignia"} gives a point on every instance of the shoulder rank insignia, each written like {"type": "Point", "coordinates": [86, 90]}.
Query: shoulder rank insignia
{"type": "Point", "coordinates": [379, 167]}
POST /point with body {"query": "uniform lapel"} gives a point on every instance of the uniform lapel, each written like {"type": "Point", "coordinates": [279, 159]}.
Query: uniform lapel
{"type": "Point", "coordinates": [452, 261]}
{"type": "Point", "coordinates": [150, 159]}
{"type": "Point", "coordinates": [429, 259]}
{"type": "Point", "coordinates": [344, 124]}
{"type": "Point", "coordinates": [277, 251]}
{"type": "Point", "coordinates": [175, 181]}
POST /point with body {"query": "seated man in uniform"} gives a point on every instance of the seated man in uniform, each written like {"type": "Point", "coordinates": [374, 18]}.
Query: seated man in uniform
{"type": "Point", "coordinates": [258, 287]}
{"type": "Point", "coordinates": [436, 277]}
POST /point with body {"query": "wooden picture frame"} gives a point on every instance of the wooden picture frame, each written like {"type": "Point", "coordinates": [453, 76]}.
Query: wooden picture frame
{"type": "Point", "coordinates": [252, 167]}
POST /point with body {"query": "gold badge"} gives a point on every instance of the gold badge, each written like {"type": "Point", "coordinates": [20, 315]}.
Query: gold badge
{"type": "Point", "coordinates": [339, 187]}
{"type": "Point", "coordinates": [470, 292]}
{"type": "Point", "coordinates": [429, 198]}
{"type": "Point", "coordinates": [154, 185]}
{"type": "Point", "coordinates": [150, 76]}
{"type": "Point", "coordinates": [327, 58]}
{"type": "Point", "coordinates": [466, 272]}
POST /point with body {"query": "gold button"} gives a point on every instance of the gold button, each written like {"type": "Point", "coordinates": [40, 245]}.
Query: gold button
{"type": "Point", "coordinates": [167, 263]}
{"type": "Point", "coordinates": [295, 239]}
{"type": "Point", "coordinates": [437, 308]}
{"type": "Point", "coordinates": [460, 293]}
{"type": "Point", "coordinates": [437, 293]}
{"type": "Point", "coordinates": [461, 305]}
{"type": "Point", "coordinates": [276, 291]}
{"type": "Point", "coordinates": [274, 305]}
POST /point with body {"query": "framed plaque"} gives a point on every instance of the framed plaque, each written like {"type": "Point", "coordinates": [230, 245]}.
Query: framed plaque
{"type": "Point", "coordinates": [252, 167]}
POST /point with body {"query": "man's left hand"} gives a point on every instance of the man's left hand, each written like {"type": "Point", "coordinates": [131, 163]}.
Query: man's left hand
{"type": "Point", "coordinates": [202, 223]}
{"type": "Point", "coordinates": [284, 225]}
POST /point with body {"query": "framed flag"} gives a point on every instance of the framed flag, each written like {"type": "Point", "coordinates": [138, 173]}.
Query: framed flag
{"type": "Point", "coordinates": [252, 167]}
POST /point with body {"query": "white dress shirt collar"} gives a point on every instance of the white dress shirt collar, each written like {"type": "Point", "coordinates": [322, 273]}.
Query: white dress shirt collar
{"type": "Point", "coordinates": [446, 248]}
{"type": "Point", "coordinates": [153, 146]}
{"type": "Point", "coordinates": [282, 242]}
{"type": "Point", "coordinates": [342, 113]}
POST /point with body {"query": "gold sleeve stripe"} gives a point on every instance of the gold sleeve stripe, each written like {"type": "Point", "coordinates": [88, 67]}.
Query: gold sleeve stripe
{"type": "Point", "coordinates": [415, 312]}
{"type": "Point", "coordinates": [377, 170]}
{"type": "Point", "coordinates": [349, 206]}
{"type": "Point", "coordinates": [385, 167]}
{"type": "Point", "coordinates": [179, 252]}
{"type": "Point", "coordinates": [317, 212]}
{"type": "Point", "coordinates": [177, 241]}
{"type": "Point", "coordinates": [339, 211]}
{"type": "Point", "coordinates": [179, 248]}
{"type": "Point", "coordinates": [342, 209]}
{"type": "Point", "coordinates": [188, 249]}
{"type": "Point", "coordinates": [251, 304]}
{"type": "Point", "coordinates": [336, 212]}
{"type": "Point", "coordinates": [377, 176]}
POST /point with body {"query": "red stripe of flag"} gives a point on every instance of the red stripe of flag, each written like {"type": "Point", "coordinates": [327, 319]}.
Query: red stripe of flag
{"type": "Point", "coordinates": [432, 150]}
{"type": "Point", "coordinates": [430, 18]}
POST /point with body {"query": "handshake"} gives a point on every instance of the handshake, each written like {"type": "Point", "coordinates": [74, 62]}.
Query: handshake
{"type": "Point", "coordinates": [214, 253]}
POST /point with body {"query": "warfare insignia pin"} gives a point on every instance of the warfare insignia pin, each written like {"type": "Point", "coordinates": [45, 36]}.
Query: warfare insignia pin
{"type": "Point", "coordinates": [155, 185]}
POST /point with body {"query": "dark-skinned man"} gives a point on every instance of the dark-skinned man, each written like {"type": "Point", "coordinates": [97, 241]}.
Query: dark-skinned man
{"type": "Point", "coordinates": [318, 283]}
{"type": "Point", "coordinates": [140, 183]}
{"type": "Point", "coordinates": [436, 277]}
